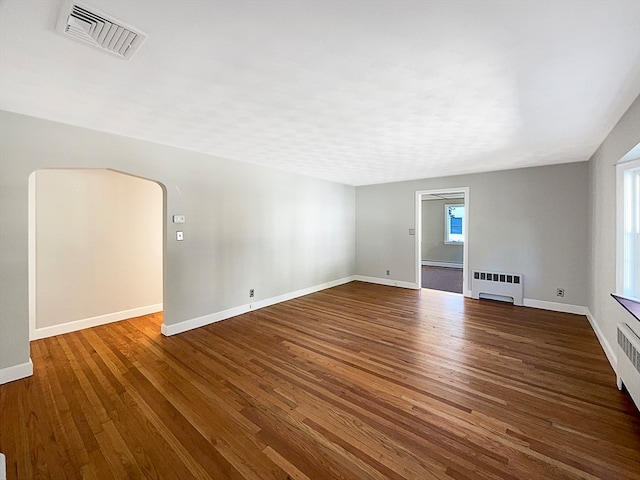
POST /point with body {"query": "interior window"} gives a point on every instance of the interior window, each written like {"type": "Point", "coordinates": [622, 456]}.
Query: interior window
{"type": "Point", "coordinates": [454, 219]}
{"type": "Point", "coordinates": [629, 228]}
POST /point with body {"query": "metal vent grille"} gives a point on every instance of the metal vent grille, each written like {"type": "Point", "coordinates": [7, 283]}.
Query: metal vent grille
{"type": "Point", "coordinates": [627, 345]}
{"type": "Point", "coordinates": [88, 25]}
{"type": "Point", "coordinates": [497, 277]}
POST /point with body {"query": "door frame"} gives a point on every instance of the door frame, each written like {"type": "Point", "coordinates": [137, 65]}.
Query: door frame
{"type": "Point", "coordinates": [466, 291]}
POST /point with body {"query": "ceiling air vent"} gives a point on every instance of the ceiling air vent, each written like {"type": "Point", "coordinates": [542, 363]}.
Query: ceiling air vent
{"type": "Point", "coordinates": [88, 25]}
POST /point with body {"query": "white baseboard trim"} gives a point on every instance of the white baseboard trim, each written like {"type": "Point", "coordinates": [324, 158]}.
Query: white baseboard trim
{"type": "Point", "coordinates": [198, 322]}
{"type": "Point", "coordinates": [555, 306]}
{"type": "Point", "coordinates": [431, 263]}
{"type": "Point", "coordinates": [76, 325]}
{"type": "Point", "coordinates": [604, 343]}
{"type": "Point", "coordinates": [387, 282]}
{"type": "Point", "coordinates": [16, 372]}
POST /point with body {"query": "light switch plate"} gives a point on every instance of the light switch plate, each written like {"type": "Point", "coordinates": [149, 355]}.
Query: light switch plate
{"type": "Point", "coordinates": [178, 219]}
{"type": "Point", "coordinates": [179, 235]}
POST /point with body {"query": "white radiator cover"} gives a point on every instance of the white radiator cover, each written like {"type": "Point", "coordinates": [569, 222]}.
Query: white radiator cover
{"type": "Point", "coordinates": [501, 284]}
{"type": "Point", "coordinates": [628, 356]}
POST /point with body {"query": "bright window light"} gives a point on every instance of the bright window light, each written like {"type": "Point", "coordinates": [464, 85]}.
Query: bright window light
{"type": "Point", "coordinates": [629, 182]}
{"type": "Point", "coordinates": [453, 223]}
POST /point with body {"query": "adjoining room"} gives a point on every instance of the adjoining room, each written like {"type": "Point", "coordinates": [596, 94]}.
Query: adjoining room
{"type": "Point", "coordinates": [442, 242]}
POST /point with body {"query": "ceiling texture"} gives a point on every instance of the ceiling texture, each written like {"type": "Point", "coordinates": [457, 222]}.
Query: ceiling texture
{"type": "Point", "coordinates": [357, 92]}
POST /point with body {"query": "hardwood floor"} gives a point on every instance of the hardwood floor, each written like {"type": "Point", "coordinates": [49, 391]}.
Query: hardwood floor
{"type": "Point", "coordinates": [355, 382]}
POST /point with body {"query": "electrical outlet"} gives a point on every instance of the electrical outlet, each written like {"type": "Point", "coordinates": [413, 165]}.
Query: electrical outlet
{"type": "Point", "coordinates": [560, 292]}
{"type": "Point", "coordinates": [388, 272]}
{"type": "Point", "coordinates": [251, 293]}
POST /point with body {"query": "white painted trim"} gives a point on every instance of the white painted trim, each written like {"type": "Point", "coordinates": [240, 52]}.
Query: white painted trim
{"type": "Point", "coordinates": [545, 305]}
{"type": "Point", "coordinates": [604, 343]}
{"type": "Point", "coordinates": [387, 281]}
{"type": "Point", "coordinates": [619, 227]}
{"type": "Point", "coordinates": [31, 242]}
{"type": "Point", "coordinates": [555, 306]}
{"type": "Point", "coordinates": [198, 322]}
{"type": "Point", "coordinates": [16, 372]}
{"type": "Point", "coordinates": [431, 263]}
{"type": "Point", "coordinates": [76, 325]}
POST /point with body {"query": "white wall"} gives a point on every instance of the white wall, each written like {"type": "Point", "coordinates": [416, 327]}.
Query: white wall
{"type": "Point", "coordinates": [247, 226]}
{"type": "Point", "coordinates": [605, 312]}
{"type": "Point", "coordinates": [98, 246]}
{"type": "Point", "coordinates": [546, 239]}
{"type": "Point", "coordinates": [433, 247]}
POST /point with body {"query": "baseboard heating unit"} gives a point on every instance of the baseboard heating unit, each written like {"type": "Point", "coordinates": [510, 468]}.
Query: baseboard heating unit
{"type": "Point", "coordinates": [497, 285]}
{"type": "Point", "coordinates": [628, 356]}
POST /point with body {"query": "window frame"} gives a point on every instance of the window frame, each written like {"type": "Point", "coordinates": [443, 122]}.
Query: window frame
{"type": "Point", "coordinates": [447, 224]}
{"type": "Point", "coordinates": [621, 169]}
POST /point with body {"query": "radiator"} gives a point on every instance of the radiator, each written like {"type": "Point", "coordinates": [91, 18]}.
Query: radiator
{"type": "Point", "coordinates": [628, 353]}
{"type": "Point", "coordinates": [497, 283]}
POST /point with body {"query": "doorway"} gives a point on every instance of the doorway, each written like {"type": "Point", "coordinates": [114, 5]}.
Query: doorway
{"type": "Point", "coordinates": [442, 233]}
{"type": "Point", "coordinates": [96, 249]}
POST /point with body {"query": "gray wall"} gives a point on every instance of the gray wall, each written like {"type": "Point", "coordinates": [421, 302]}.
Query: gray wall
{"type": "Point", "coordinates": [247, 226]}
{"type": "Point", "coordinates": [433, 247]}
{"type": "Point", "coordinates": [541, 232]}
{"type": "Point", "coordinates": [602, 220]}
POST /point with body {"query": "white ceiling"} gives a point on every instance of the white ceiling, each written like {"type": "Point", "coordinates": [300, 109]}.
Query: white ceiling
{"type": "Point", "coordinates": [357, 92]}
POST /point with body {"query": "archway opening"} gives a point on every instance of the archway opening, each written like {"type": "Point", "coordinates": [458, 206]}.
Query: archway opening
{"type": "Point", "coordinates": [96, 249]}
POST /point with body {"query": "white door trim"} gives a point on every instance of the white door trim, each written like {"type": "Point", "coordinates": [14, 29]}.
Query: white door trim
{"type": "Point", "coordinates": [418, 240]}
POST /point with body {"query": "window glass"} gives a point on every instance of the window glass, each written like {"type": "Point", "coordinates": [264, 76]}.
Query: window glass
{"type": "Point", "coordinates": [630, 215]}
{"type": "Point", "coordinates": [454, 221]}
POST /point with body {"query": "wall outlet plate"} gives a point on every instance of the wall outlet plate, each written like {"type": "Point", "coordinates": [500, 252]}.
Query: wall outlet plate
{"type": "Point", "coordinates": [179, 235]}
{"type": "Point", "coordinates": [560, 292]}
{"type": "Point", "coordinates": [178, 219]}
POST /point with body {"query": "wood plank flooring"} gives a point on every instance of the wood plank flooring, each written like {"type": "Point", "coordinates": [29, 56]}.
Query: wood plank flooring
{"type": "Point", "coordinates": [356, 382]}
